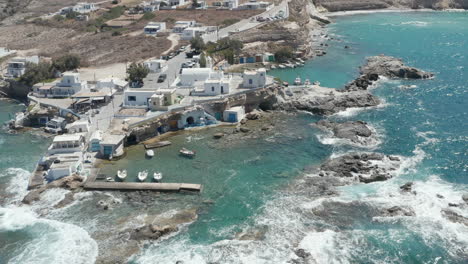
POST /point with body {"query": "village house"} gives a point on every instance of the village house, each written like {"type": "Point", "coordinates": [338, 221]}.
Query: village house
{"type": "Point", "coordinates": [192, 32]}
{"type": "Point", "coordinates": [234, 114]}
{"type": "Point", "coordinates": [68, 143]}
{"type": "Point", "coordinates": [112, 146]}
{"type": "Point", "coordinates": [81, 8]}
{"type": "Point", "coordinates": [254, 78]}
{"type": "Point", "coordinates": [180, 26]}
{"type": "Point", "coordinates": [111, 84]}
{"type": "Point", "coordinates": [156, 66]}
{"type": "Point", "coordinates": [95, 141]}
{"type": "Point", "coordinates": [69, 85]}
{"type": "Point", "coordinates": [163, 98]}
{"type": "Point", "coordinates": [254, 5]}
{"type": "Point", "coordinates": [153, 28]}
{"type": "Point", "coordinates": [231, 4]}
{"type": "Point", "coordinates": [17, 66]}
{"type": "Point", "coordinates": [176, 2]}
{"type": "Point", "coordinates": [80, 126]}
{"type": "Point", "coordinates": [138, 98]}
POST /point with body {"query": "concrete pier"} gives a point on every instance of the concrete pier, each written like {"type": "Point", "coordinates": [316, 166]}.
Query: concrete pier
{"type": "Point", "coordinates": [143, 186]}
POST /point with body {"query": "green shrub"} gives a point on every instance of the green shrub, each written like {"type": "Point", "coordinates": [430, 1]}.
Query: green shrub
{"type": "Point", "coordinates": [229, 21]}
{"type": "Point", "coordinates": [283, 54]}
{"type": "Point", "coordinates": [148, 16]}
{"type": "Point", "coordinates": [137, 72]}
{"type": "Point", "coordinates": [67, 62]}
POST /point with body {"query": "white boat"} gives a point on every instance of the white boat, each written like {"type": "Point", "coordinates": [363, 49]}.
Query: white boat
{"type": "Point", "coordinates": [307, 82]}
{"type": "Point", "coordinates": [298, 81]}
{"type": "Point", "coordinates": [122, 174]}
{"type": "Point", "coordinates": [142, 175]}
{"type": "Point", "coordinates": [281, 66]}
{"type": "Point", "coordinates": [187, 153]}
{"type": "Point", "coordinates": [150, 153]}
{"type": "Point", "coordinates": [273, 67]}
{"type": "Point", "coordinates": [316, 83]}
{"type": "Point", "coordinates": [109, 179]}
{"type": "Point", "coordinates": [157, 176]}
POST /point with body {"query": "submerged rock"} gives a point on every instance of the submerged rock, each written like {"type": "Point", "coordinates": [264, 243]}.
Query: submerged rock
{"type": "Point", "coordinates": [218, 135]}
{"type": "Point", "coordinates": [407, 187]}
{"type": "Point", "coordinates": [398, 211]}
{"type": "Point", "coordinates": [454, 217]}
{"type": "Point", "coordinates": [152, 232]}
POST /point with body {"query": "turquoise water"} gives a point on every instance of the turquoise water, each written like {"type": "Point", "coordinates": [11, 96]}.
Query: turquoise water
{"type": "Point", "coordinates": [256, 183]}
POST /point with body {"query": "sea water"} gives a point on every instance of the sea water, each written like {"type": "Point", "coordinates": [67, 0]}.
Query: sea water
{"type": "Point", "coordinates": [257, 185]}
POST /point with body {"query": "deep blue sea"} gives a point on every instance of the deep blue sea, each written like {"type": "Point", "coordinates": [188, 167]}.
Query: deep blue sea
{"type": "Point", "coordinates": [252, 187]}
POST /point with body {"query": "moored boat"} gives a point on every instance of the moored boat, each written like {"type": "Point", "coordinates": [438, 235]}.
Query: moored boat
{"type": "Point", "coordinates": [157, 176]}
{"type": "Point", "coordinates": [307, 82]}
{"type": "Point", "coordinates": [109, 179]}
{"type": "Point", "coordinates": [298, 81]}
{"type": "Point", "coordinates": [158, 144]}
{"type": "Point", "coordinates": [122, 174]}
{"type": "Point", "coordinates": [187, 153]}
{"type": "Point", "coordinates": [142, 175]}
{"type": "Point", "coordinates": [150, 153]}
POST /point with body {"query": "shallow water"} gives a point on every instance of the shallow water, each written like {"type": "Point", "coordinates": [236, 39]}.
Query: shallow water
{"type": "Point", "coordinates": [258, 184]}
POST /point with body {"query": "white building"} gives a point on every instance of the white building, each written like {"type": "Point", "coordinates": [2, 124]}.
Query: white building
{"type": "Point", "coordinates": [180, 26]}
{"type": "Point", "coordinates": [255, 5]}
{"type": "Point", "coordinates": [70, 143]}
{"type": "Point", "coordinates": [154, 27]}
{"type": "Point", "coordinates": [234, 114]}
{"type": "Point", "coordinates": [69, 85]}
{"type": "Point", "coordinates": [138, 98]}
{"type": "Point", "coordinates": [163, 98]}
{"type": "Point", "coordinates": [192, 32]}
{"type": "Point", "coordinates": [95, 141]}
{"type": "Point", "coordinates": [216, 86]}
{"type": "Point", "coordinates": [111, 83]}
{"type": "Point", "coordinates": [231, 4]}
{"type": "Point", "coordinates": [6, 52]}
{"type": "Point", "coordinates": [112, 145]}
{"type": "Point", "coordinates": [81, 8]}
{"type": "Point", "coordinates": [254, 78]}
{"type": "Point", "coordinates": [64, 165]}
{"type": "Point", "coordinates": [176, 2]}
{"type": "Point", "coordinates": [190, 76]}
{"type": "Point", "coordinates": [80, 126]}
{"type": "Point", "coordinates": [55, 125]}
{"type": "Point", "coordinates": [17, 66]}
{"type": "Point", "coordinates": [156, 66]}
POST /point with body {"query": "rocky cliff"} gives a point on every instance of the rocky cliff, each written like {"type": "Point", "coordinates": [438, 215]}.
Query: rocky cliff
{"type": "Point", "coordinates": [348, 5]}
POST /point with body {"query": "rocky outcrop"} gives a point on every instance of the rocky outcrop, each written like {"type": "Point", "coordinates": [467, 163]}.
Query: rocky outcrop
{"type": "Point", "coordinates": [72, 182]}
{"type": "Point", "coordinates": [363, 167]}
{"type": "Point", "coordinates": [454, 216]}
{"type": "Point", "coordinates": [392, 67]}
{"type": "Point", "coordinates": [330, 104]}
{"type": "Point", "coordinates": [385, 66]}
{"type": "Point", "coordinates": [398, 211]}
{"type": "Point", "coordinates": [152, 232]}
{"type": "Point", "coordinates": [351, 130]}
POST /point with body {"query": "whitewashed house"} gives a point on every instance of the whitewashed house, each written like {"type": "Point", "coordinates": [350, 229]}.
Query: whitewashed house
{"type": "Point", "coordinates": [80, 126]}
{"type": "Point", "coordinates": [180, 26]}
{"type": "Point", "coordinates": [163, 98]}
{"type": "Point", "coordinates": [95, 141]}
{"type": "Point", "coordinates": [112, 146]}
{"type": "Point", "coordinates": [64, 165]}
{"type": "Point", "coordinates": [234, 114]}
{"type": "Point", "coordinates": [137, 98]}
{"type": "Point", "coordinates": [153, 28]}
{"type": "Point", "coordinates": [69, 85]}
{"type": "Point", "coordinates": [176, 2]}
{"type": "Point", "coordinates": [254, 78]}
{"type": "Point", "coordinates": [192, 32]}
{"type": "Point", "coordinates": [17, 66]}
{"type": "Point", "coordinates": [156, 66]}
{"type": "Point", "coordinates": [231, 4]}
{"type": "Point", "coordinates": [55, 125]}
{"type": "Point", "coordinates": [69, 143]}
{"type": "Point", "coordinates": [111, 83]}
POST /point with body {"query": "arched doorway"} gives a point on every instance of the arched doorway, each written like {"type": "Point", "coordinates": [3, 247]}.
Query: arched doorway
{"type": "Point", "coordinates": [190, 120]}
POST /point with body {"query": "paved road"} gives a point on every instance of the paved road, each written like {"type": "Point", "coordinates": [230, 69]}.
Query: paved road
{"type": "Point", "coordinates": [106, 113]}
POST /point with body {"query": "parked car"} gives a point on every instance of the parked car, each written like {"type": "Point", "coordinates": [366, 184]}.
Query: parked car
{"type": "Point", "coordinates": [162, 78]}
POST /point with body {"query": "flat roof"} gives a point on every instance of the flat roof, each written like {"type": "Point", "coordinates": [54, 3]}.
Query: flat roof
{"type": "Point", "coordinates": [68, 137]}
{"type": "Point", "coordinates": [89, 94]}
{"type": "Point", "coordinates": [109, 139]}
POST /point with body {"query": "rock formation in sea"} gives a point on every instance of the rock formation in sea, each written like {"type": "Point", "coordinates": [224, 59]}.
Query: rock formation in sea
{"type": "Point", "coordinates": [349, 5]}
{"type": "Point", "coordinates": [353, 131]}
{"type": "Point", "coordinates": [361, 167]}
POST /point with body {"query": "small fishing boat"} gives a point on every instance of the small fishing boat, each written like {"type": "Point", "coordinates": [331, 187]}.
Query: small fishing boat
{"type": "Point", "coordinates": [298, 81]}
{"type": "Point", "coordinates": [157, 176]}
{"type": "Point", "coordinates": [282, 66]}
{"type": "Point", "coordinates": [142, 175]}
{"type": "Point", "coordinates": [122, 174]}
{"type": "Point", "coordinates": [158, 144]}
{"type": "Point", "coordinates": [307, 82]}
{"type": "Point", "coordinates": [150, 153]}
{"type": "Point", "coordinates": [187, 153]}
{"type": "Point", "coordinates": [286, 84]}
{"type": "Point", "coordinates": [109, 179]}
{"type": "Point", "coordinates": [316, 83]}
{"type": "Point", "coordinates": [273, 67]}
